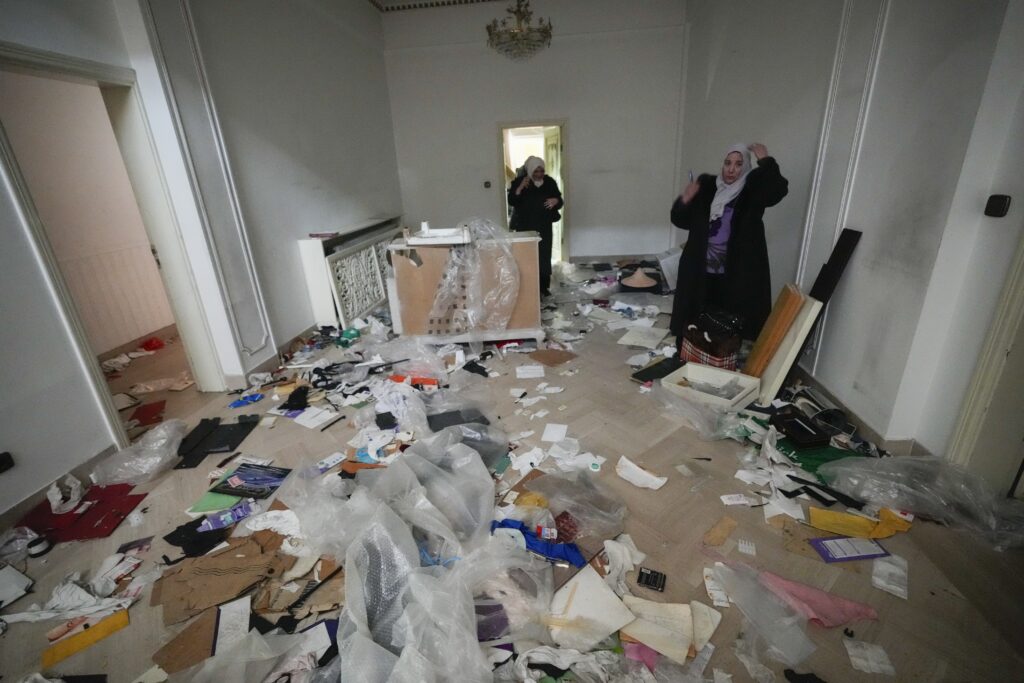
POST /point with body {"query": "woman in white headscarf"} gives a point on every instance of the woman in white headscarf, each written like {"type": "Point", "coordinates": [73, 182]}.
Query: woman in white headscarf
{"type": "Point", "coordinates": [535, 200]}
{"type": "Point", "coordinates": [724, 264]}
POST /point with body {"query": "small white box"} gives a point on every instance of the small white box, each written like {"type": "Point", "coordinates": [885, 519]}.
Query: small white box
{"type": "Point", "coordinates": [706, 374]}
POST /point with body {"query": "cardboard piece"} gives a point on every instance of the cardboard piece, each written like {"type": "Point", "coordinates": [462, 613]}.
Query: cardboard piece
{"type": "Point", "coordinates": [417, 280]}
{"type": "Point", "coordinates": [191, 646]}
{"type": "Point", "coordinates": [781, 318]}
{"type": "Point", "coordinates": [717, 534]}
{"type": "Point", "coordinates": [191, 586]}
{"type": "Point", "coordinates": [552, 357]}
{"type": "Point", "coordinates": [845, 524]}
{"type": "Point", "coordinates": [74, 644]}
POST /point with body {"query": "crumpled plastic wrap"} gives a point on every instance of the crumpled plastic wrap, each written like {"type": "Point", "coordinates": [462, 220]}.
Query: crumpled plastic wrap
{"type": "Point", "coordinates": [490, 442]}
{"type": "Point", "coordinates": [933, 488]}
{"type": "Point", "coordinates": [597, 512]}
{"type": "Point", "coordinates": [713, 424]}
{"type": "Point", "coordinates": [64, 496]}
{"type": "Point", "coordinates": [155, 452]}
{"type": "Point", "coordinates": [14, 544]}
{"type": "Point", "coordinates": [459, 485]}
{"type": "Point", "coordinates": [487, 305]}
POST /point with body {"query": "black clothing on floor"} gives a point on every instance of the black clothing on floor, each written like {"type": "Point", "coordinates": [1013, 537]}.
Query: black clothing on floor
{"type": "Point", "coordinates": [529, 213]}
{"type": "Point", "coordinates": [746, 286]}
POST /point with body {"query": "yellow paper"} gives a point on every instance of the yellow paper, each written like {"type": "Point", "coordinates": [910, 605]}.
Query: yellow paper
{"type": "Point", "coordinates": [846, 524]}
{"type": "Point", "coordinates": [63, 649]}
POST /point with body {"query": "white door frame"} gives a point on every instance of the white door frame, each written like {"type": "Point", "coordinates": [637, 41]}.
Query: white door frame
{"type": "Point", "coordinates": [1008, 318]}
{"type": "Point", "coordinates": [195, 335]}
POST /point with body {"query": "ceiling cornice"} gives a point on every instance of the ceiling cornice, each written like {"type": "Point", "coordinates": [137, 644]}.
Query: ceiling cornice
{"type": "Point", "coordinates": [400, 5]}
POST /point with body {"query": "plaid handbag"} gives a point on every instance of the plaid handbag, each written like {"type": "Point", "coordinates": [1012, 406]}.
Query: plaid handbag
{"type": "Point", "coordinates": [691, 354]}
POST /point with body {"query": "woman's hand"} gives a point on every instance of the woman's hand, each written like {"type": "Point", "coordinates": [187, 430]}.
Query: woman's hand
{"type": "Point", "coordinates": [689, 192]}
{"type": "Point", "coordinates": [759, 150]}
{"type": "Point", "coordinates": [550, 203]}
{"type": "Point", "coordinates": [522, 185]}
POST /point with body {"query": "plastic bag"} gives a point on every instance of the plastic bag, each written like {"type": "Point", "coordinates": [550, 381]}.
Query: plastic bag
{"type": "Point", "coordinates": [466, 295]}
{"type": "Point", "coordinates": [933, 488]}
{"type": "Point", "coordinates": [64, 498]}
{"type": "Point", "coordinates": [598, 513]}
{"type": "Point", "coordinates": [501, 572]}
{"type": "Point", "coordinates": [155, 452]}
{"type": "Point", "coordinates": [710, 422]}
{"type": "Point", "coordinates": [780, 626]}
{"type": "Point", "coordinates": [459, 485]}
{"type": "Point", "coordinates": [14, 544]}
{"type": "Point", "coordinates": [489, 442]}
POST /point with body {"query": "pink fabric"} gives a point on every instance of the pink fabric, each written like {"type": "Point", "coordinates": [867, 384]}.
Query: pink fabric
{"type": "Point", "coordinates": [818, 606]}
{"type": "Point", "coordinates": [642, 653]}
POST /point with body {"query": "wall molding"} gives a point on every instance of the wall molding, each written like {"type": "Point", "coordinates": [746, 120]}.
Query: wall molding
{"type": "Point", "coordinates": [249, 347]}
{"type": "Point", "coordinates": [12, 54]}
{"type": "Point", "coordinates": [1007, 321]}
{"type": "Point", "coordinates": [856, 146]}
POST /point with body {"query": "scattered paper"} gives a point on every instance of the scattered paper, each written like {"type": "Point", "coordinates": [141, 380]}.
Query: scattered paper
{"type": "Point", "coordinates": [517, 392]}
{"type": "Point", "coordinates": [644, 337]}
{"type": "Point", "coordinates": [754, 477]}
{"type": "Point", "coordinates": [890, 575]}
{"type": "Point", "coordinates": [13, 585]}
{"type": "Point", "coordinates": [664, 627]}
{"type": "Point", "coordinates": [553, 432]}
{"type": "Point", "coordinates": [868, 657]}
{"type": "Point", "coordinates": [847, 549]}
{"type": "Point", "coordinates": [637, 475]}
{"type": "Point", "coordinates": [737, 499]}
{"type": "Point", "coordinates": [530, 372]}
{"type": "Point", "coordinates": [746, 547]}
{"type": "Point", "coordinates": [522, 435]}
{"type": "Point", "coordinates": [232, 623]}
{"type": "Point", "coordinates": [716, 592]}
{"type": "Point", "coordinates": [586, 599]}
{"type": "Point", "coordinates": [539, 414]}
{"type": "Point", "coordinates": [312, 418]}
{"type": "Point", "coordinates": [553, 390]}
{"type": "Point", "coordinates": [524, 462]}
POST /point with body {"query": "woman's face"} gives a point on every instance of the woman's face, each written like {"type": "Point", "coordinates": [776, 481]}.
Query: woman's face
{"type": "Point", "coordinates": [538, 173]}
{"type": "Point", "coordinates": [732, 167]}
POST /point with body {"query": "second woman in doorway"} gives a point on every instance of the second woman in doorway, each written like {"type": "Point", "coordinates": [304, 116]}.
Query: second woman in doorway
{"type": "Point", "coordinates": [535, 200]}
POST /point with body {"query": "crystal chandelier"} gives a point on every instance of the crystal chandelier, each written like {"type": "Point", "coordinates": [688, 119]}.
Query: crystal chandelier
{"type": "Point", "coordinates": [519, 39]}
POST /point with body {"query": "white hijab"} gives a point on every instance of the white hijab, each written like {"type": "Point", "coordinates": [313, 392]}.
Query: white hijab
{"type": "Point", "coordinates": [726, 193]}
{"type": "Point", "coordinates": [532, 163]}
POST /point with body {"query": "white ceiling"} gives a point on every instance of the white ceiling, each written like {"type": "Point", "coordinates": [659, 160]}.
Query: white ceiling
{"type": "Point", "coordinates": [398, 5]}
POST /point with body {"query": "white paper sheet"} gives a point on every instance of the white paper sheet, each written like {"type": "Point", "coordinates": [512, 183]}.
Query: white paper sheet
{"type": "Point", "coordinates": [585, 611]}
{"type": "Point", "coordinates": [637, 475]}
{"type": "Point", "coordinates": [664, 627]}
{"type": "Point", "coordinates": [524, 462]}
{"type": "Point", "coordinates": [529, 372]}
{"type": "Point", "coordinates": [232, 623]}
{"type": "Point", "coordinates": [13, 585]}
{"type": "Point", "coordinates": [716, 592]}
{"type": "Point", "coordinates": [890, 575]}
{"type": "Point", "coordinates": [644, 337]}
{"type": "Point", "coordinates": [868, 657]}
{"type": "Point", "coordinates": [554, 432]}
{"type": "Point", "coordinates": [312, 418]}
{"type": "Point", "coordinates": [737, 499]}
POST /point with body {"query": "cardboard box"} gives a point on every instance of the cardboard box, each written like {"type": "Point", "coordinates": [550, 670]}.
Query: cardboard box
{"type": "Point", "coordinates": [705, 374]}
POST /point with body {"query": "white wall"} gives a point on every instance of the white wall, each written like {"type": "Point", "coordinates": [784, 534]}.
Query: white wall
{"type": "Point", "coordinates": [301, 97]}
{"type": "Point", "coordinates": [974, 255]}
{"type": "Point", "coordinates": [759, 72]}
{"type": "Point", "coordinates": [65, 147]}
{"type": "Point", "coordinates": [931, 72]}
{"type": "Point", "coordinates": [87, 30]}
{"type": "Point", "coordinates": [613, 76]}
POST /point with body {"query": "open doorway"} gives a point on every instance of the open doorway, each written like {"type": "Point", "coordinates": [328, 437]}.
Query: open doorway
{"type": "Point", "coordinates": [547, 141]}
{"type": "Point", "coordinates": [62, 139]}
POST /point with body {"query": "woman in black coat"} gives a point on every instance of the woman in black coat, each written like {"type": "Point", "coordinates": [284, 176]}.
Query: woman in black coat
{"type": "Point", "coordinates": [535, 201]}
{"type": "Point", "coordinates": [724, 264]}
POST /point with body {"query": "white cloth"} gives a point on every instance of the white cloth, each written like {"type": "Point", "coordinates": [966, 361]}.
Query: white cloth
{"type": "Point", "coordinates": [623, 555]}
{"type": "Point", "coordinates": [69, 600]}
{"type": "Point", "coordinates": [599, 664]}
{"type": "Point", "coordinates": [725, 192]}
{"type": "Point", "coordinates": [532, 163]}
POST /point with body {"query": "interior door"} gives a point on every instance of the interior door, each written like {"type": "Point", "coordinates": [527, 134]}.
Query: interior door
{"type": "Point", "coordinates": [553, 167]}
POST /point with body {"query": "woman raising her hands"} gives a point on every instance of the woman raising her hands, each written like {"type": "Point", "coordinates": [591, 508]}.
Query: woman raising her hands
{"type": "Point", "coordinates": [724, 264]}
